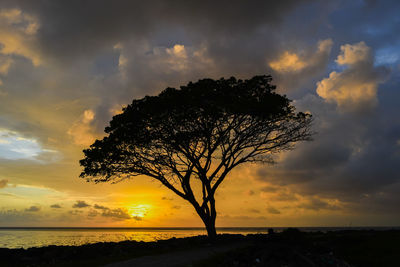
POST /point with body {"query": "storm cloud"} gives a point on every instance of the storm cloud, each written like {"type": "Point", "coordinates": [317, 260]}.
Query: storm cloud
{"type": "Point", "coordinates": [98, 24]}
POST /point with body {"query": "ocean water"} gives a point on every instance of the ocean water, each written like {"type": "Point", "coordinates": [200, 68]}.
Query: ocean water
{"type": "Point", "coordinates": [39, 237]}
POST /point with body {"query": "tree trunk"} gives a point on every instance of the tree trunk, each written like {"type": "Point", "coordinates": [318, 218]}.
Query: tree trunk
{"type": "Point", "coordinates": [208, 218]}
{"type": "Point", "coordinates": [209, 222]}
{"type": "Point", "coordinates": [210, 226]}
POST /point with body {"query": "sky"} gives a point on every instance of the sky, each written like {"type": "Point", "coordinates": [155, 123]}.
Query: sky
{"type": "Point", "coordinates": [66, 67]}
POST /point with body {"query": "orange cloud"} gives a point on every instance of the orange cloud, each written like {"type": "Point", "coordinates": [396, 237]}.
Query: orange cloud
{"type": "Point", "coordinates": [17, 34]}
{"type": "Point", "coordinates": [356, 87]}
{"type": "Point", "coordinates": [81, 131]}
{"type": "Point", "coordinates": [292, 62]}
{"type": "Point", "coordinates": [353, 54]}
{"type": "Point", "coordinates": [288, 62]}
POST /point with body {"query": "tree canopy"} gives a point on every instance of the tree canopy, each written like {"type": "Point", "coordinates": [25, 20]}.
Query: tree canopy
{"type": "Point", "coordinates": [198, 132]}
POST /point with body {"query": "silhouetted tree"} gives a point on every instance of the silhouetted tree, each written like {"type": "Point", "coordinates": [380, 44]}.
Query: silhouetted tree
{"type": "Point", "coordinates": [189, 139]}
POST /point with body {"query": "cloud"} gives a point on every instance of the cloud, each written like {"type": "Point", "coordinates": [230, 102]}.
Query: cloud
{"type": "Point", "coordinates": [143, 62]}
{"type": "Point", "coordinates": [92, 213]}
{"type": "Point", "coordinates": [75, 212]}
{"type": "Point", "coordinates": [355, 88]}
{"type": "Point", "coordinates": [354, 54]}
{"type": "Point", "coordinates": [3, 183]}
{"type": "Point", "coordinates": [288, 62]}
{"type": "Point", "coordinates": [99, 207]}
{"type": "Point", "coordinates": [33, 209]}
{"type": "Point", "coordinates": [17, 35]}
{"type": "Point", "coordinates": [118, 214]}
{"type": "Point", "coordinates": [292, 70]}
{"type": "Point", "coordinates": [342, 163]}
{"type": "Point", "coordinates": [272, 210]}
{"type": "Point", "coordinates": [315, 203]}
{"type": "Point", "coordinates": [14, 146]}
{"type": "Point", "coordinates": [12, 217]}
{"type": "Point", "coordinates": [56, 206]}
{"type": "Point", "coordinates": [140, 20]}
{"type": "Point", "coordinates": [80, 204]}
{"type": "Point", "coordinates": [11, 195]}
{"type": "Point", "coordinates": [254, 210]}
{"type": "Point", "coordinates": [81, 131]}
{"type": "Point", "coordinates": [5, 64]}
{"type": "Point", "coordinates": [281, 195]}
{"type": "Point", "coordinates": [242, 217]}
{"type": "Point", "coordinates": [133, 61]}
{"type": "Point", "coordinates": [162, 60]}
{"type": "Point", "coordinates": [269, 189]}
{"type": "Point", "coordinates": [249, 192]}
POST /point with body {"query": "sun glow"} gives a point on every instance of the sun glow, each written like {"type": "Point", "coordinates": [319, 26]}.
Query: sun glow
{"type": "Point", "coordinates": [139, 211]}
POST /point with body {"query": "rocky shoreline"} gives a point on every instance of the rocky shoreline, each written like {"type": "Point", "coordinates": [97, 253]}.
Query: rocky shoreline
{"type": "Point", "coordinates": [289, 248]}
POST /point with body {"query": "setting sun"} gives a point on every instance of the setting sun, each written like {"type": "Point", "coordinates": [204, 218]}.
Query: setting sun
{"type": "Point", "coordinates": [139, 211]}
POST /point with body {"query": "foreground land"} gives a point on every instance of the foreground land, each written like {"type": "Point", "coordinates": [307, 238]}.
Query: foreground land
{"type": "Point", "coordinates": [289, 248]}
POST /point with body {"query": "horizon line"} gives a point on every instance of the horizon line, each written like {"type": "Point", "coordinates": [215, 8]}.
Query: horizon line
{"type": "Point", "coordinates": [186, 228]}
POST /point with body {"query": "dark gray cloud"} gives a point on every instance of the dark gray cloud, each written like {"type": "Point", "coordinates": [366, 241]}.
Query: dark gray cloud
{"type": "Point", "coordinates": [80, 204]}
{"type": "Point", "coordinates": [236, 35]}
{"type": "Point", "coordinates": [100, 207]}
{"type": "Point", "coordinates": [33, 209]}
{"type": "Point", "coordinates": [296, 67]}
{"type": "Point", "coordinates": [99, 24]}
{"type": "Point", "coordinates": [351, 157]}
{"type": "Point", "coordinates": [318, 204]}
{"type": "Point", "coordinates": [55, 206]}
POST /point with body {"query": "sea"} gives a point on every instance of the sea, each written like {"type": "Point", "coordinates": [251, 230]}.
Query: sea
{"type": "Point", "coordinates": [21, 237]}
